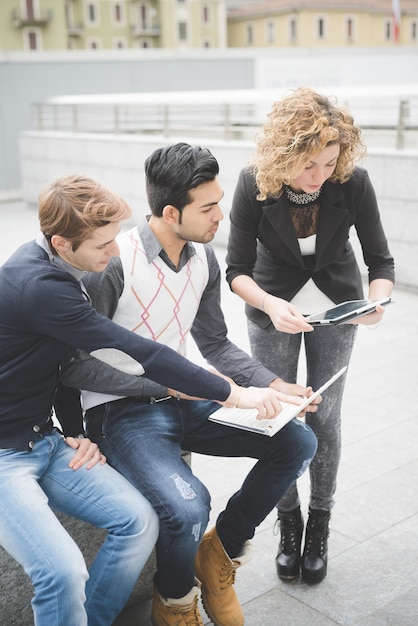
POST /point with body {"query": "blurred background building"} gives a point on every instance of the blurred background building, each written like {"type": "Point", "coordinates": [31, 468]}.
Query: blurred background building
{"type": "Point", "coordinates": [182, 24]}
{"type": "Point", "coordinates": [107, 24]}
{"type": "Point", "coordinates": [322, 23]}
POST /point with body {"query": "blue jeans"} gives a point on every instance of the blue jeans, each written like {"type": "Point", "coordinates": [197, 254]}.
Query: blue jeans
{"type": "Point", "coordinates": [65, 594]}
{"type": "Point", "coordinates": [327, 350]}
{"type": "Point", "coordinates": [144, 441]}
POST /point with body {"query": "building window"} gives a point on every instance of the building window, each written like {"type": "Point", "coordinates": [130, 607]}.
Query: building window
{"type": "Point", "coordinates": [413, 30]}
{"type": "Point", "coordinates": [292, 30]}
{"type": "Point", "coordinates": [182, 31]}
{"type": "Point", "coordinates": [349, 29]}
{"type": "Point", "coordinates": [33, 43]}
{"type": "Point", "coordinates": [119, 43]}
{"type": "Point", "coordinates": [206, 14]}
{"type": "Point", "coordinates": [30, 13]}
{"type": "Point", "coordinates": [92, 11]}
{"type": "Point", "coordinates": [250, 34]}
{"type": "Point", "coordinates": [320, 28]}
{"type": "Point", "coordinates": [143, 16]}
{"type": "Point", "coordinates": [270, 32]}
{"type": "Point", "coordinates": [387, 30]}
{"type": "Point", "coordinates": [93, 43]}
{"type": "Point", "coordinates": [118, 13]}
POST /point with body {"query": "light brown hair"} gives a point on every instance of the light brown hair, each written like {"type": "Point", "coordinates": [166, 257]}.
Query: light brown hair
{"type": "Point", "coordinates": [74, 206]}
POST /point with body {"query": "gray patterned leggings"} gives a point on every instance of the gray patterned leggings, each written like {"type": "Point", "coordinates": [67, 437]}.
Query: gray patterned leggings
{"type": "Point", "coordinates": [327, 350]}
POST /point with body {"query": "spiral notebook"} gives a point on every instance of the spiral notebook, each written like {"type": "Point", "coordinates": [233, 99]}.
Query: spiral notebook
{"type": "Point", "coordinates": [246, 419]}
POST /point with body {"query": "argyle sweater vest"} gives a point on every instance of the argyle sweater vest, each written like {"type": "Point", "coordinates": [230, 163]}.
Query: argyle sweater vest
{"type": "Point", "coordinates": [157, 302]}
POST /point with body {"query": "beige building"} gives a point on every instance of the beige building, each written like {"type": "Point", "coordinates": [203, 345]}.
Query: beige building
{"type": "Point", "coordinates": [185, 24]}
{"type": "Point", "coordinates": [322, 23]}
{"type": "Point", "coordinates": [107, 24]}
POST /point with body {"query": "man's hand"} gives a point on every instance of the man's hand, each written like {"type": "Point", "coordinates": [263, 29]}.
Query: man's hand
{"type": "Point", "coordinates": [264, 399]}
{"type": "Point", "coordinates": [88, 453]}
{"type": "Point", "coordinates": [293, 389]}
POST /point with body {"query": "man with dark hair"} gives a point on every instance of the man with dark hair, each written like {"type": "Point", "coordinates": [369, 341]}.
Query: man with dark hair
{"type": "Point", "coordinates": [44, 314]}
{"type": "Point", "coordinates": [165, 284]}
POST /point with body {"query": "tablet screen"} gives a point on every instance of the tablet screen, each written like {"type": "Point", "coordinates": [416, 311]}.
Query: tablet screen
{"type": "Point", "coordinates": [345, 311]}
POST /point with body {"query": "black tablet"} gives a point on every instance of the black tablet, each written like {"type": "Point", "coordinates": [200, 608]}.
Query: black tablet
{"type": "Point", "coordinates": [346, 311]}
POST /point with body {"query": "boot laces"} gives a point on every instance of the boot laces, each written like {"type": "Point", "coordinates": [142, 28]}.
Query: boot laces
{"type": "Point", "coordinates": [290, 529]}
{"type": "Point", "coordinates": [188, 615]}
{"type": "Point", "coordinates": [316, 536]}
{"type": "Point", "coordinates": [226, 575]}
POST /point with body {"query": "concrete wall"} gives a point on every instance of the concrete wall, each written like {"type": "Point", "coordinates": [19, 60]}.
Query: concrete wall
{"type": "Point", "coordinates": [27, 78]}
{"type": "Point", "coordinates": [117, 160]}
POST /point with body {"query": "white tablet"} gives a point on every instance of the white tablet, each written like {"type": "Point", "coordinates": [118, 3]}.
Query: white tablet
{"type": "Point", "coordinates": [246, 419]}
{"type": "Point", "coordinates": [346, 311]}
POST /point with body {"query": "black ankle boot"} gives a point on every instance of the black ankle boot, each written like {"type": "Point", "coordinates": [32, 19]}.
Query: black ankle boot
{"type": "Point", "coordinates": [315, 553]}
{"type": "Point", "coordinates": [288, 556]}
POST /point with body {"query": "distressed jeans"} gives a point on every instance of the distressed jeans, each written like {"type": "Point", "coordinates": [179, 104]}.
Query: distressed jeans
{"type": "Point", "coordinates": [65, 593]}
{"type": "Point", "coordinates": [327, 350]}
{"type": "Point", "coordinates": [144, 442]}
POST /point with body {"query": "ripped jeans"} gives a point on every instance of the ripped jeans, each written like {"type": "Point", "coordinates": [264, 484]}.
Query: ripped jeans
{"type": "Point", "coordinates": [144, 441]}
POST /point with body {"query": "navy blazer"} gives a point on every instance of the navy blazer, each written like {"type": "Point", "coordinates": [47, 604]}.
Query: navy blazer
{"type": "Point", "coordinates": [263, 242]}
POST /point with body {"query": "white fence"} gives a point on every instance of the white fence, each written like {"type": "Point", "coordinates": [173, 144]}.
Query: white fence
{"type": "Point", "coordinates": [387, 114]}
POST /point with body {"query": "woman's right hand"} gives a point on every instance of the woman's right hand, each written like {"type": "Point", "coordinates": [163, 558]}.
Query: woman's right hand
{"type": "Point", "coordinates": [285, 316]}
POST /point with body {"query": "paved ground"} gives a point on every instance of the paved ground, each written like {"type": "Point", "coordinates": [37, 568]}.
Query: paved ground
{"type": "Point", "coordinates": [373, 568]}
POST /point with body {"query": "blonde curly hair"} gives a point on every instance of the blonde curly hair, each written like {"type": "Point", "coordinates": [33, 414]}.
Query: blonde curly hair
{"type": "Point", "coordinates": [299, 126]}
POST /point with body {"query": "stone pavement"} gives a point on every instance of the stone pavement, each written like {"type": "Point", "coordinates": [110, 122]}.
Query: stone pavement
{"type": "Point", "coordinates": [373, 566]}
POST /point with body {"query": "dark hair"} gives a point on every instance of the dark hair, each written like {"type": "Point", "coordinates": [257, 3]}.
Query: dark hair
{"type": "Point", "coordinates": [171, 172]}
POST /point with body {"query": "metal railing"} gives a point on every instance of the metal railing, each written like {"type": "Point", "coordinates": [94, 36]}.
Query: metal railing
{"type": "Point", "coordinates": [236, 114]}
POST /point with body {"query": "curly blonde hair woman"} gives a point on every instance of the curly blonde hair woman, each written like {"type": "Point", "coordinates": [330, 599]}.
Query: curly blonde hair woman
{"type": "Point", "coordinates": [289, 255]}
{"type": "Point", "coordinates": [298, 127]}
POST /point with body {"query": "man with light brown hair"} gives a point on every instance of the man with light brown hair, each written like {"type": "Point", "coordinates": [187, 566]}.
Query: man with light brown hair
{"type": "Point", "coordinates": [44, 315]}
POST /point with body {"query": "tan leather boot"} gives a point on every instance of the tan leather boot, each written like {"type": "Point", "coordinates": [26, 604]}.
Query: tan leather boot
{"type": "Point", "coordinates": [176, 611]}
{"type": "Point", "coordinates": [216, 572]}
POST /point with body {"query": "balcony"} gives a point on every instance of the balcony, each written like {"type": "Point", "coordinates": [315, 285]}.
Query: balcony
{"type": "Point", "coordinates": [140, 30]}
{"type": "Point", "coordinates": [21, 20]}
{"type": "Point", "coordinates": [75, 30]}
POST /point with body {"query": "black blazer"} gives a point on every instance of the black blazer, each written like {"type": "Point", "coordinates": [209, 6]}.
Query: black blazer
{"type": "Point", "coordinates": [263, 243]}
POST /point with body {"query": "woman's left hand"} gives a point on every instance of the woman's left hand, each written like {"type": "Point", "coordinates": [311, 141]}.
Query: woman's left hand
{"type": "Point", "coordinates": [371, 319]}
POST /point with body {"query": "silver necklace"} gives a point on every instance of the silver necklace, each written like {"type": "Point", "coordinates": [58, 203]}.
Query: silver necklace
{"type": "Point", "coordinates": [301, 198]}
